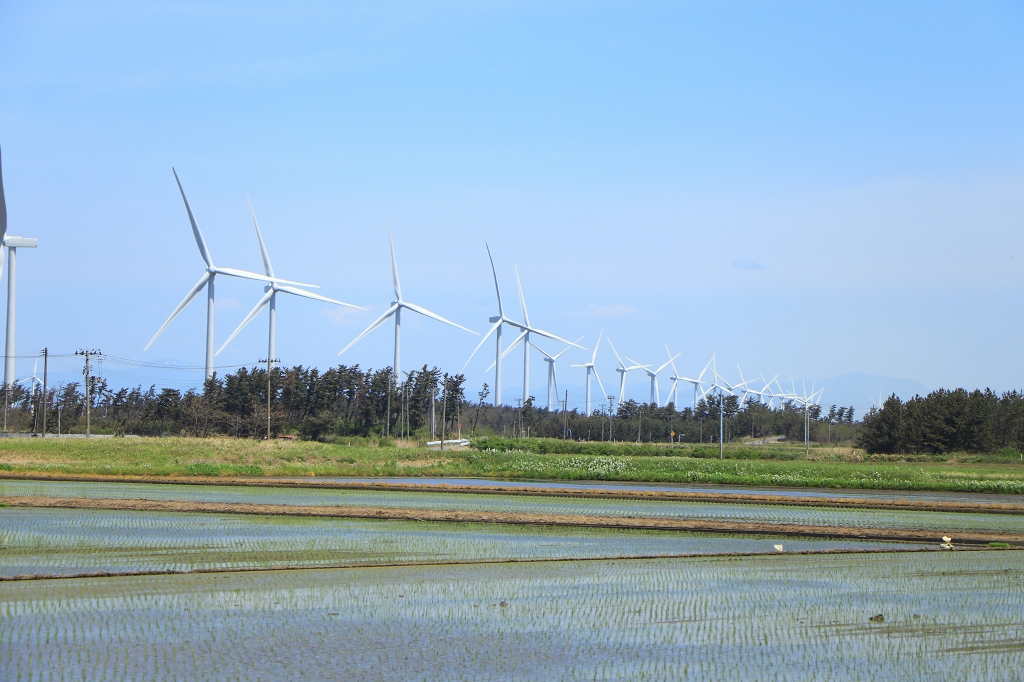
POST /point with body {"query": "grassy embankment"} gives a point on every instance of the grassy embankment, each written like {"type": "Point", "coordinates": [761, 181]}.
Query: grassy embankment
{"type": "Point", "coordinates": [745, 464]}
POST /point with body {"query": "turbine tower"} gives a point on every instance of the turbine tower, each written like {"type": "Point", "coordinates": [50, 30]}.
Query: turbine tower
{"type": "Point", "coordinates": [270, 297]}
{"type": "Point", "coordinates": [207, 280]}
{"type": "Point", "coordinates": [496, 323]}
{"type": "Point", "coordinates": [396, 309]}
{"type": "Point", "coordinates": [591, 367]}
{"type": "Point", "coordinates": [653, 374]}
{"type": "Point", "coordinates": [11, 243]}
{"type": "Point", "coordinates": [622, 370]}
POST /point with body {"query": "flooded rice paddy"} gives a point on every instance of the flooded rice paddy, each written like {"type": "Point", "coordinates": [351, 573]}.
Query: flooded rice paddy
{"type": "Point", "coordinates": [941, 523]}
{"type": "Point", "coordinates": [65, 542]}
{"type": "Point", "coordinates": [950, 615]}
{"type": "Point", "coordinates": [639, 486]}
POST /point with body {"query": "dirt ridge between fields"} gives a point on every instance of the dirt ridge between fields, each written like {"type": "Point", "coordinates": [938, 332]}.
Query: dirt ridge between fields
{"type": "Point", "coordinates": [460, 516]}
{"type": "Point", "coordinates": [467, 562]}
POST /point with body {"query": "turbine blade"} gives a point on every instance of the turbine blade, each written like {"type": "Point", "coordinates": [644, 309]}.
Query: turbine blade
{"type": "Point", "coordinates": [248, 318]}
{"type": "Point", "coordinates": [549, 335]}
{"type": "Point", "coordinates": [181, 306]}
{"type": "Point", "coordinates": [672, 361]}
{"type": "Point", "coordinates": [267, 267]}
{"type": "Point", "coordinates": [394, 266]}
{"type": "Point", "coordinates": [378, 322]}
{"type": "Point", "coordinates": [423, 311]}
{"type": "Point", "coordinates": [522, 300]}
{"type": "Point", "coordinates": [316, 297]}
{"type": "Point", "coordinates": [621, 363]}
{"type": "Point", "coordinates": [562, 352]}
{"type": "Point", "coordinates": [665, 365]}
{"type": "Point", "coordinates": [3, 206]}
{"type": "Point", "coordinates": [493, 329]}
{"type": "Point", "coordinates": [200, 242]}
{"type": "Point", "coordinates": [594, 358]}
{"type": "Point", "coordinates": [245, 274]}
{"type": "Point", "coordinates": [501, 312]}
{"type": "Point", "coordinates": [544, 352]}
{"type": "Point", "coordinates": [598, 376]}
{"type": "Point", "coordinates": [701, 375]}
{"type": "Point", "coordinates": [518, 340]}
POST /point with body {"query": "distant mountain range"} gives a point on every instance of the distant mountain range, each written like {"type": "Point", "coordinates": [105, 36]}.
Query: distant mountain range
{"type": "Point", "coordinates": [862, 390]}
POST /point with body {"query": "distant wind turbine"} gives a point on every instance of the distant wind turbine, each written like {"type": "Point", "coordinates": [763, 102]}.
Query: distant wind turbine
{"type": "Point", "coordinates": [552, 376]}
{"type": "Point", "coordinates": [622, 369]}
{"type": "Point", "coordinates": [207, 280]}
{"type": "Point", "coordinates": [592, 367]}
{"type": "Point", "coordinates": [653, 375]}
{"type": "Point", "coordinates": [270, 297]}
{"type": "Point", "coordinates": [502, 319]}
{"type": "Point", "coordinates": [396, 309]}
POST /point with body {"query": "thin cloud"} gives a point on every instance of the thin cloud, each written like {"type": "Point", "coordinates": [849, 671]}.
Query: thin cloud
{"type": "Point", "coordinates": [747, 264]}
{"type": "Point", "coordinates": [340, 316]}
{"type": "Point", "coordinates": [612, 310]}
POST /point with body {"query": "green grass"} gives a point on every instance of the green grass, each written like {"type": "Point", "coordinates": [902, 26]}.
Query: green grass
{"type": "Point", "coordinates": [825, 468]}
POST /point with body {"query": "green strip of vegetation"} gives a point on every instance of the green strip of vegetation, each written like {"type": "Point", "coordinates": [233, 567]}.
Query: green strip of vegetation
{"type": "Point", "coordinates": [825, 468]}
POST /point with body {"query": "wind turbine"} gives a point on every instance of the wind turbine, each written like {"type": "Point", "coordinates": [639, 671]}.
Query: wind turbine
{"type": "Point", "coordinates": [653, 374]}
{"type": "Point", "coordinates": [207, 280]}
{"type": "Point", "coordinates": [270, 296]}
{"type": "Point", "coordinates": [496, 323]}
{"type": "Point", "coordinates": [623, 370]}
{"type": "Point", "coordinates": [524, 338]}
{"type": "Point", "coordinates": [11, 243]}
{"type": "Point", "coordinates": [591, 367]}
{"type": "Point", "coordinates": [33, 380]}
{"type": "Point", "coordinates": [396, 309]}
{"type": "Point", "coordinates": [552, 378]}
{"type": "Point", "coordinates": [697, 383]}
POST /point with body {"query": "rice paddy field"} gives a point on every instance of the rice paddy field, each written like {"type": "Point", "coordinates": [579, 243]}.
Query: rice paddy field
{"type": "Point", "coordinates": [117, 593]}
{"type": "Point", "coordinates": [939, 522]}
{"type": "Point", "coordinates": [69, 542]}
{"type": "Point", "coordinates": [908, 616]}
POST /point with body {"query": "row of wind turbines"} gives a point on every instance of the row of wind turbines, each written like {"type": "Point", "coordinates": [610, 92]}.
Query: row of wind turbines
{"type": "Point", "coordinates": [526, 334]}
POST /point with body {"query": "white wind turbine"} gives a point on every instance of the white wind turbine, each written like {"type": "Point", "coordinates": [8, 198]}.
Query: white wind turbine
{"type": "Point", "coordinates": [396, 309]}
{"type": "Point", "coordinates": [697, 383]}
{"type": "Point", "coordinates": [592, 367]}
{"type": "Point", "coordinates": [11, 243]}
{"type": "Point", "coordinates": [653, 375]}
{"type": "Point", "coordinates": [552, 376]}
{"type": "Point", "coordinates": [496, 323]}
{"type": "Point", "coordinates": [622, 369]}
{"type": "Point", "coordinates": [33, 381]}
{"type": "Point", "coordinates": [270, 297]}
{"type": "Point", "coordinates": [207, 280]}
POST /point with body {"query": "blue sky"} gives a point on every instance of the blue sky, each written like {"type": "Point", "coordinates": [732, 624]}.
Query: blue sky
{"type": "Point", "coordinates": [807, 189]}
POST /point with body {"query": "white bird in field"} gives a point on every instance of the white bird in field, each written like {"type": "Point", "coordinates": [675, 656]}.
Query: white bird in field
{"type": "Point", "coordinates": [947, 539]}
{"type": "Point", "coordinates": [778, 548]}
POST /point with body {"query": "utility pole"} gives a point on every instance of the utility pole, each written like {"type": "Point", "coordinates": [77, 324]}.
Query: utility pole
{"type": "Point", "coordinates": [565, 416]}
{"type": "Point", "coordinates": [270, 362]}
{"type": "Point", "coordinates": [433, 403]}
{"type": "Point", "coordinates": [444, 408]}
{"type": "Point", "coordinates": [721, 446]}
{"type": "Point", "coordinates": [88, 388]}
{"type": "Point", "coordinates": [46, 359]}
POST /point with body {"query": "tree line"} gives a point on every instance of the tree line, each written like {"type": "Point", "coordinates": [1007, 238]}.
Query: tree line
{"type": "Point", "coordinates": [946, 421]}
{"type": "Point", "coordinates": [350, 401]}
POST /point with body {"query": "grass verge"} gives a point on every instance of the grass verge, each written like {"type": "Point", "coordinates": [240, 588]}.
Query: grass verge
{"type": "Point", "coordinates": [827, 468]}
